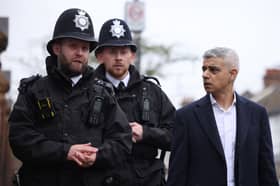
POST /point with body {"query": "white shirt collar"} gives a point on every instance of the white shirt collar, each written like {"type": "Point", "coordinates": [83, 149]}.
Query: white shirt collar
{"type": "Point", "coordinates": [214, 102]}
{"type": "Point", "coordinates": [75, 79]}
{"type": "Point", "coordinates": [115, 81]}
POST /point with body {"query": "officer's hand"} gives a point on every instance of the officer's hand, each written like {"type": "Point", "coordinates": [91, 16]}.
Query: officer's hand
{"type": "Point", "coordinates": [90, 159]}
{"type": "Point", "coordinates": [80, 152]}
{"type": "Point", "coordinates": [137, 131]}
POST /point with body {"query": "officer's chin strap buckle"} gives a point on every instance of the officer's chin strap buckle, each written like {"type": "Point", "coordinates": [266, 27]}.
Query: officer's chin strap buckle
{"type": "Point", "coordinates": [46, 108]}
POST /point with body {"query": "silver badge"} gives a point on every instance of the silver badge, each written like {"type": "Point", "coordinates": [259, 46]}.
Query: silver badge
{"type": "Point", "coordinates": [81, 21]}
{"type": "Point", "coordinates": [117, 29]}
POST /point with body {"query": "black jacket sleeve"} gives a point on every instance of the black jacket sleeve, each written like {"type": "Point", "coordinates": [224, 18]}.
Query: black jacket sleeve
{"type": "Point", "coordinates": [27, 142]}
{"type": "Point", "coordinates": [159, 134]}
{"type": "Point", "coordinates": [267, 174]}
{"type": "Point", "coordinates": [117, 143]}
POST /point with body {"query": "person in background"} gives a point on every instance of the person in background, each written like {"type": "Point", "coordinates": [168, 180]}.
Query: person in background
{"type": "Point", "coordinates": [66, 127]}
{"type": "Point", "coordinates": [222, 138]}
{"type": "Point", "coordinates": [148, 109]}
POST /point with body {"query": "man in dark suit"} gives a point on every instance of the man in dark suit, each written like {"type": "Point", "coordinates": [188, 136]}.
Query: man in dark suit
{"type": "Point", "coordinates": [222, 139]}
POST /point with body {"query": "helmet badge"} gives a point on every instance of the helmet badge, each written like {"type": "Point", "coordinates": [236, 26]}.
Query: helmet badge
{"type": "Point", "coordinates": [81, 20]}
{"type": "Point", "coordinates": [117, 29]}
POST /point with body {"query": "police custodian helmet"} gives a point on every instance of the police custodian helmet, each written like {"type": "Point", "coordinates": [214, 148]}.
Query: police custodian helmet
{"type": "Point", "coordinates": [115, 32]}
{"type": "Point", "coordinates": [73, 23]}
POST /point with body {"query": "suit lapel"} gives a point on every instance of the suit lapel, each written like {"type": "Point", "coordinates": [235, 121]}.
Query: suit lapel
{"type": "Point", "coordinates": [205, 115]}
{"type": "Point", "coordinates": [243, 120]}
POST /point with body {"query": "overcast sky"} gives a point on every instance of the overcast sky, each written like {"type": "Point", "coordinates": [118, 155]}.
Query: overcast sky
{"type": "Point", "coordinates": [251, 27]}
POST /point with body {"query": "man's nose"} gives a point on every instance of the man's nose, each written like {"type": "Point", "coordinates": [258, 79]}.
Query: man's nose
{"type": "Point", "coordinates": [205, 74]}
{"type": "Point", "coordinates": [118, 55]}
{"type": "Point", "coordinates": [79, 51]}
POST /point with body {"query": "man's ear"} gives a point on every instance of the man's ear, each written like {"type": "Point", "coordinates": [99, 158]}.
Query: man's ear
{"type": "Point", "coordinates": [234, 73]}
{"type": "Point", "coordinates": [133, 57]}
{"type": "Point", "coordinates": [56, 47]}
{"type": "Point", "coordinates": [99, 57]}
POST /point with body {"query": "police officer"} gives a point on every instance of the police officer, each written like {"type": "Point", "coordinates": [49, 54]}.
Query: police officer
{"type": "Point", "coordinates": [66, 127]}
{"type": "Point", "coordinates": [147, 107]}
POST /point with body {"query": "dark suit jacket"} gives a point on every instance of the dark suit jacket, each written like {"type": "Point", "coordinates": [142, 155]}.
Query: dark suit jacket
{"type": "Point", "coordinates": [197, 156]}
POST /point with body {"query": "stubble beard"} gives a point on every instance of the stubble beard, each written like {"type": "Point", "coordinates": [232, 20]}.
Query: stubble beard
{"type": "Point", "coordinates": [65, 66]}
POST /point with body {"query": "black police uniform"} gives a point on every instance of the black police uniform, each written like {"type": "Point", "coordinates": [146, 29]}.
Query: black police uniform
{"type": "Point", "coordinates": [144, 102]}
{"type": "Point", "coordinates": [50, 115]}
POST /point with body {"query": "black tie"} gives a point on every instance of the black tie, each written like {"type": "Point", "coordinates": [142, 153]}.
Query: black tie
{"type": "Point", "coordinates": [121, 86]}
